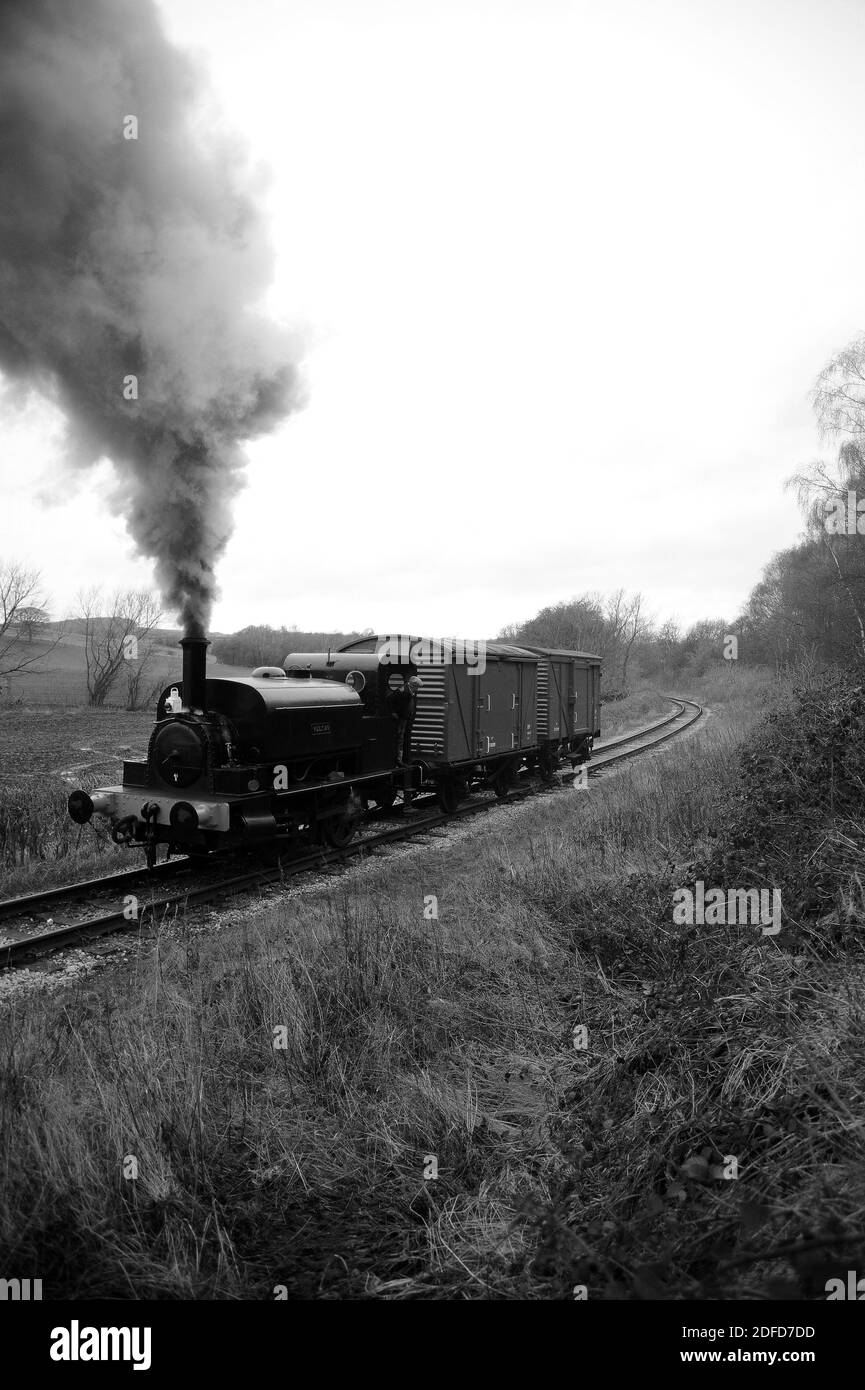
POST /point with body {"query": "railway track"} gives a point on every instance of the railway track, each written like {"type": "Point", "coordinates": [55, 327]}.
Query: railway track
{"type": "Point", "coordinates": [641, 740]}
{"type": "Point", "coordinates": [130, 910]}
{"type": "Point", "coordinates": [605, 744]}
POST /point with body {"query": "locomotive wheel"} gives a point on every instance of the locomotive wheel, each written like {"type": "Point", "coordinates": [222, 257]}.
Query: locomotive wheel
{"type": "Point", "coordinates": [337, 831]}
{"type": "Point", "coordinates": [385, 798]}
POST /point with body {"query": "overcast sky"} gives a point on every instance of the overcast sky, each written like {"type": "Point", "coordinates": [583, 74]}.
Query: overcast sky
{"type": "Point", "coordinates": [568, 272]}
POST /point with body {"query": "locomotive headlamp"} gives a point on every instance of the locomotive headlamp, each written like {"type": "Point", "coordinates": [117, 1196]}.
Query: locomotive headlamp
{"type": "Point", "coordinates": [183, 816]}
{"type": "Point", "coordinates": [80, 807]}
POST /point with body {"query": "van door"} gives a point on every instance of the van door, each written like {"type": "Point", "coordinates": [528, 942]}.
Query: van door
{"type": "Point", "coordinates": [526, 722]}
{"type": "Point", "coordinates": [497, 708]}
{"type": "Point", "coordinates": [583, 691]}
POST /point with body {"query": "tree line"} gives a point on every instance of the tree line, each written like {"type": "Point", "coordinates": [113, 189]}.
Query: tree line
{"type": "Point", "coordinates": [610, 627]}
{"type": "Point", "coordinates": [260, 645]}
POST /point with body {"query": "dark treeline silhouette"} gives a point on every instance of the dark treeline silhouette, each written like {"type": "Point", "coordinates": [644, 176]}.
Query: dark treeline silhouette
{"type": "Point", "coordinates": [809, 605]}
{"type": "Point", "coordinates": [608, 626]}
{"type": "Point", "coordinates": [667, 652]}
{"type": "Point", "coordinates": [617, 629]}
{"type": "Point", "coordinates": [810, 602]}
{"type": "Point", "coordinates": [261, 645]}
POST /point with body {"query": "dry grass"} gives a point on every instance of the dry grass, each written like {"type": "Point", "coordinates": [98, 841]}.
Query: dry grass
{"type": "Point", "coordinates": [43, 755]}
{"type": "Point", "coordinates": [38, 841]}
{"type": "Point", "coordinates": [642, 706]}
{"type": "Point", "coordinates": [408, 1039]}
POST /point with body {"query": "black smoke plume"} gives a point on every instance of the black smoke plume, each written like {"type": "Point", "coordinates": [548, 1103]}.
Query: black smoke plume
{"type": "Point", "coordinates": [138, 257]}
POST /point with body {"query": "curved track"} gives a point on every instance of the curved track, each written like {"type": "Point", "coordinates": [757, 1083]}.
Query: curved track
{"type": "Point", "coordinates": [649, 737]}
{"type": "Point", "coordinates": [154, 905]}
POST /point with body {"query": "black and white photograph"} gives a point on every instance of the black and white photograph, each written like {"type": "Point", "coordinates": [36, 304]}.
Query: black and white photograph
{"type": "Point", "coordinates": [432, 671]}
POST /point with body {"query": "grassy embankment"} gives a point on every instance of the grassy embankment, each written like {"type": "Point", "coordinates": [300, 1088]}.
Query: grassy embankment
{"type": "Point", "coordinates": [43, 755]}
{"type": "Point", "coordinates": [643, 706]}
{"type": "Point", "coordinates": [408, 1039]}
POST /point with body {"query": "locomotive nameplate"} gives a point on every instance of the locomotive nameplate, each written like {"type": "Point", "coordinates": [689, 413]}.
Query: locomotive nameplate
{"type": "Point", "coordinates": [320, 728]}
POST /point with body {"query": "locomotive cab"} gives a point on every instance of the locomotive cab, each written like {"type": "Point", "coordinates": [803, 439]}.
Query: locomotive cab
{"type": "Point", "coordinates": [373, 681]}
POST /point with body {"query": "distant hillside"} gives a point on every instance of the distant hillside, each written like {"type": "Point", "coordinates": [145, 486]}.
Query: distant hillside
{"type": "Point", "coordinates": [58, 676]}
{"type": "Point", "coordinates": [256, 645]}
{"type": "Point", "coordinates": [72, 630]}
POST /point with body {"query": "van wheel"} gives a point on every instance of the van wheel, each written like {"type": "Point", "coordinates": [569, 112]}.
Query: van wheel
{"type": "Point", "coordinates": [547, 768]}
{"type": "Point", "coordinates": [505, 781]}
{"type": "Point", "coordinates": [448, 793]}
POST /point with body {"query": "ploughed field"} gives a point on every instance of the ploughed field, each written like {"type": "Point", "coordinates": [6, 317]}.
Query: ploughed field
{"type": "Point", "coordinates": [36, 742]}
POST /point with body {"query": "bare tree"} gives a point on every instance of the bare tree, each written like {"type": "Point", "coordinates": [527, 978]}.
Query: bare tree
{"type": "Point", "coordinates": [113, 633]}
{"type": "Point", "coordinates": [839, 393]}
{"type": "Point", "coordinates": [839, 403]}
{"type": "Point", "coordinates": [820, 491]}
{"type": "Point", "coordinates": [608, 627]}
{"type": "Point", "coordinates": [576, 624]}
{"type": "Point", "coordinates": [20, 595]}
{"type": "Point", "coordinates": [142, 684]}
{"type": "Point", "coordinates": [670, 643]}
{"type": "Point", "coordinates": [32, 620]}
{"type": "Point", "coordinates": [633, 626]}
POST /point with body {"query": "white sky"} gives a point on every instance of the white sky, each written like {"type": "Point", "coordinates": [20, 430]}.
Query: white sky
{"type": "Point", "coordinates": [570, 272]}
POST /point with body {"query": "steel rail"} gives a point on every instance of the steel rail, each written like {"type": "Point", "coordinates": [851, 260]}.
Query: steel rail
{"type": "Point", "coordinates": [16, 907]}
{"type": "Point", "coordinates": [603, 745]}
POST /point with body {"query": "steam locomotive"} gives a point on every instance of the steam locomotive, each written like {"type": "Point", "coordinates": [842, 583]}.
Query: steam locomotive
{"type": "Point", "coordinates": [300, 751]}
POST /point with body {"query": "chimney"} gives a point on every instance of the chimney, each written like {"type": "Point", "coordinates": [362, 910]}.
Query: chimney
{"type": "Point", "coordinates": [194, 671]}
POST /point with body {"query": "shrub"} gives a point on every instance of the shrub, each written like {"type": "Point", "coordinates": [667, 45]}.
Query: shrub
{"type": "Point", "coordinates": [35, 825]}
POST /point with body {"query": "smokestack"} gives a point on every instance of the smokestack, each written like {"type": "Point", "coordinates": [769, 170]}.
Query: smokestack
{"type": "Point", "coordinates": [194, 670]}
